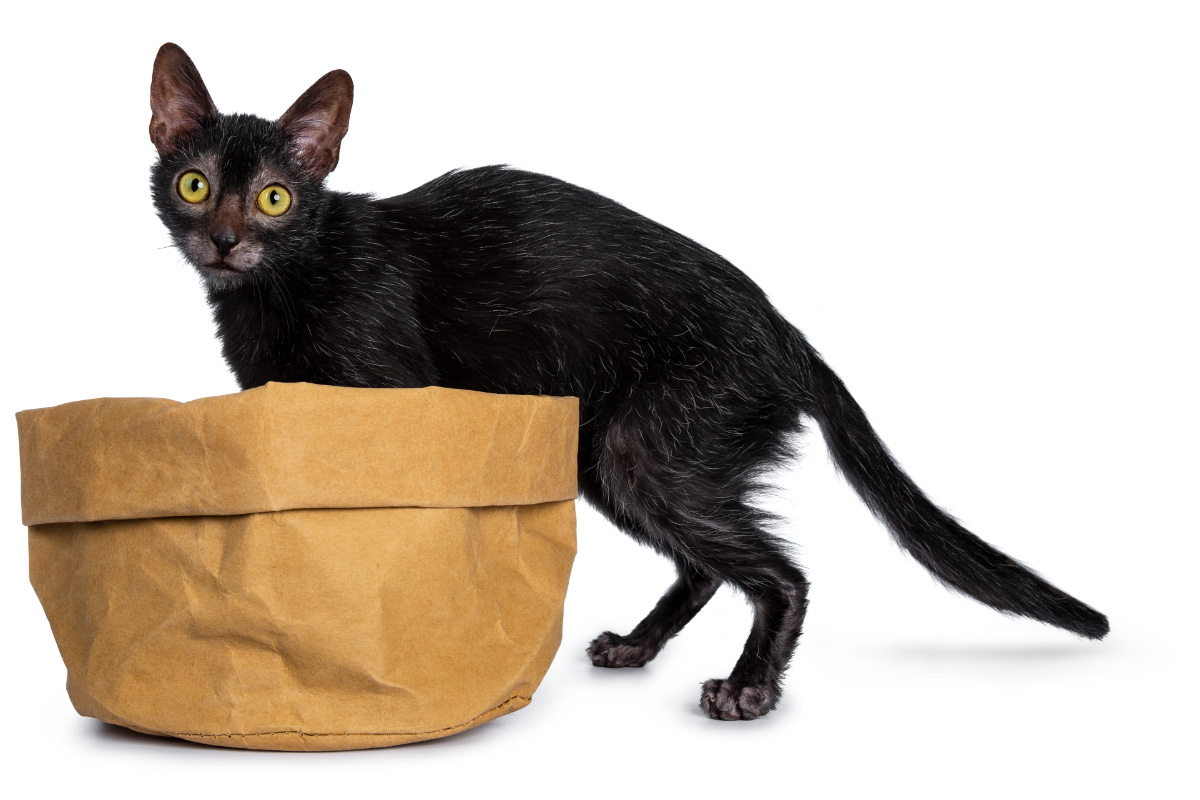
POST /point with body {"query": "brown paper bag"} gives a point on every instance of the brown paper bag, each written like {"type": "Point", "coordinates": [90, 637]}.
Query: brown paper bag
{"type": "Point", "coordinates": [302, 567]}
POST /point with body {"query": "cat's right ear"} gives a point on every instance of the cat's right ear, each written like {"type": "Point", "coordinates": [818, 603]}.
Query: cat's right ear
{"type": "Point", "coordinates": [178, 99]}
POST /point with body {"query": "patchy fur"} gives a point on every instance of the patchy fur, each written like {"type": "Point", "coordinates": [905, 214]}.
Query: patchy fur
{"type": "Point", "coordinates": [690, 383]}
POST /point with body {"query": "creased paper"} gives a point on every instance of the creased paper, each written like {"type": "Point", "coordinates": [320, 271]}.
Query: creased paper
{"type": "Point", "coordinates": [302, 567]}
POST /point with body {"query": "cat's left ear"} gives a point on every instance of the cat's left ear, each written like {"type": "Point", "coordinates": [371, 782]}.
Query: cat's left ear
{"type": "Point", "coordinates": [317, 122]}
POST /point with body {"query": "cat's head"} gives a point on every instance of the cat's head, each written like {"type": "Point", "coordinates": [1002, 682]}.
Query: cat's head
{"type": "Point", "coordinates": [241, 195]}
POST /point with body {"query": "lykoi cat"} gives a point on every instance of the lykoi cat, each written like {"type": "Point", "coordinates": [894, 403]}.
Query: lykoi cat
{"type": "Point", "coordinates": [690, 383]}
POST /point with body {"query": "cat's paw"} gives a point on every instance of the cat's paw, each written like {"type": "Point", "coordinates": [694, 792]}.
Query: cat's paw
{"type": "Point", "coordinates": [726, 699]}
{"type": "Point", "coordinates": [610, 650]}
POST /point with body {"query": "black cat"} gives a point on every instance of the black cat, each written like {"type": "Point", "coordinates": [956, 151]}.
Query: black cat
{"type": "Point", "coordinates": [690, 383]}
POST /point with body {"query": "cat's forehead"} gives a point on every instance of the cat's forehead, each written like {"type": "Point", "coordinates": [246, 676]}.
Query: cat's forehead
{"type": "Point", "coordinates": [241, 147]}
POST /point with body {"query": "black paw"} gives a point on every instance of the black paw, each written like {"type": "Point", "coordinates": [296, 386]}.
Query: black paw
{"type": "Point", "coordinates": [610, 650]}
{"type": "Point", "coordinates": [725, 699]}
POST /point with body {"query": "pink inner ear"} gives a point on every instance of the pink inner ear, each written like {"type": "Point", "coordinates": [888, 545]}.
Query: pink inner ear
{"type": "Point", "coordinates": [317, 122]}
{"type": "Point", "coordinates": [316, 143]}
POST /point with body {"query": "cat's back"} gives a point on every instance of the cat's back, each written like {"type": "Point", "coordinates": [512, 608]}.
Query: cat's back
{"type": "Point", "coordinates": [498, 214]}
{"type": "Point", "coordinates": [495, 180]}
{"type": "Point", "coordinates": [519, 267]}
{"type": "Point", "coordinates": [496, 194]}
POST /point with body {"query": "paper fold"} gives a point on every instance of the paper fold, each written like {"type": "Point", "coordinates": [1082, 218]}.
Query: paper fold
{"type": "Point", "coordinates": [303, 567]}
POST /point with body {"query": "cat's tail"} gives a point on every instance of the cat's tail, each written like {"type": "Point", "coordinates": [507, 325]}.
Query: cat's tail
{"type": "Point", "coordinates": [955, 556]}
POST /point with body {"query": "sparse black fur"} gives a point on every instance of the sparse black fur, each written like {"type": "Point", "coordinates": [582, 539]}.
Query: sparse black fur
{"type": "Point", "coordinates": [690, 383]}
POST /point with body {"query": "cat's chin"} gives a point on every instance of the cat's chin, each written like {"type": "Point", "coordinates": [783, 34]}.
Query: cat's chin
{"type": "Point", "coordinates": [221, 275]}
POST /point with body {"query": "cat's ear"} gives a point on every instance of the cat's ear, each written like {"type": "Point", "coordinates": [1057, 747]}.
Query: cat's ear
{"type": "Point", "coordinates": [178, 99]}
{"type": "Point", "coordinates": [316, 123]}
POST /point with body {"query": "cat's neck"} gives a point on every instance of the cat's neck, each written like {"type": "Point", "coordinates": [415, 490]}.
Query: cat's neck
{"type": "Point", "coordinates": [305, 317]}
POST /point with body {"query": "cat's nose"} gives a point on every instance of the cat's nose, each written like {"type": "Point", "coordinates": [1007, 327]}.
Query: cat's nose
{"type": "Point", "coordinates": [224, 242]}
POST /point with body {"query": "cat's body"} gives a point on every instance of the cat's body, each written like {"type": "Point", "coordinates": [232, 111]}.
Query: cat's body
{"type": "Point", "coordinates": [690, 382]}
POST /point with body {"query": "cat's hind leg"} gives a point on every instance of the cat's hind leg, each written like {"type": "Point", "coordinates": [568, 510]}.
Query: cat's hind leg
{"type": "Point", "coordinates": [674, 610]}
{"type": "Point", "coordinates": [778, 591]}
{"type": "Point", "coordinates": [685, 492]}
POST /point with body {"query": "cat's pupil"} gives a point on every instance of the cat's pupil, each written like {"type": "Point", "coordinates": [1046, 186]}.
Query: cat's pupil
{"type": "Point", "coordinates": [195, 186]}
{"type": "Point", "coordinates": [274, 197]}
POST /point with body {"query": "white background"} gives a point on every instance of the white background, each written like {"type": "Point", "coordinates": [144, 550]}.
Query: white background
{"type": "Point", "coordinates": [984, 215]}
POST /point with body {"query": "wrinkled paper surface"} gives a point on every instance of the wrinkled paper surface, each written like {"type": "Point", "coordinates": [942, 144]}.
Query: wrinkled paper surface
{"type": "Point", "coordinates": [302, 567]}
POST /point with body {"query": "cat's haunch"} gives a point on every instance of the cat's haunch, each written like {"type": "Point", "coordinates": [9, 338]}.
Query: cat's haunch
{"type": "Point", "coordinates": [691, 384]}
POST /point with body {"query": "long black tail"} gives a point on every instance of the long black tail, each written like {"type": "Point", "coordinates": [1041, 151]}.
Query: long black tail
{"type": "Point", "coordinates": [955, 556]}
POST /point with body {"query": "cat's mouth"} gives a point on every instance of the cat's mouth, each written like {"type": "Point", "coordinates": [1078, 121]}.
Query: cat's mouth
{"type": "Point", "coordinates": [224, 265]}
{"type": "Point", "coordinates": [221, 267]}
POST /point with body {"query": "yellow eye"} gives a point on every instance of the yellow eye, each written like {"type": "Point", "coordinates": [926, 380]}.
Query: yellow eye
{"type": "Point", "coordinates": [274, 200]}
{"type": "Point", "coordinates": [193, 187]}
